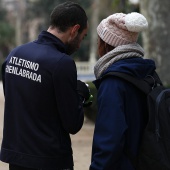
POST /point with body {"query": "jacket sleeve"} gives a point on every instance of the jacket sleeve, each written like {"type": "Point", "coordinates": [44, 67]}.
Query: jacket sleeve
{"type": "Point", "coordinates": [110, 127]}
{"type": "Point", "coordinates": [69, 103]}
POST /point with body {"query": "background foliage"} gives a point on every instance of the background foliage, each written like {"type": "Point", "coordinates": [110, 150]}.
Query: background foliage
{"type": "Point", "coordinates": [7, 34]}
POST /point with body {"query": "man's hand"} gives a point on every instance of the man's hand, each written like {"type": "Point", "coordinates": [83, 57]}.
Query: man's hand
{"type": "Point", "coordinates": [84, 91]}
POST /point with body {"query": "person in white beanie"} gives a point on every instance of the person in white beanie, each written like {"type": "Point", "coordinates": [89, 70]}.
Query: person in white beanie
{"type": "Point", "coordinates": [122, 108]}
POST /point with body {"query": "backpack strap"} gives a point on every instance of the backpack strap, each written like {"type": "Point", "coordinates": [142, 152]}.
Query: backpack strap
{"type": "Point", "coordinates": [140, 84]}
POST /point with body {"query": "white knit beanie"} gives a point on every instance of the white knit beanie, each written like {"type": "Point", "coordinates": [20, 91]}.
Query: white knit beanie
{"type": "Point", "coordinates": [120, 29]}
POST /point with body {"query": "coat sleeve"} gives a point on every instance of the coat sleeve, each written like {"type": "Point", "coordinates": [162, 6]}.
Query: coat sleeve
{"type": "Point", "coordinates": [69, 103]}
{"type": "Point", "coordinates": [110, 127]}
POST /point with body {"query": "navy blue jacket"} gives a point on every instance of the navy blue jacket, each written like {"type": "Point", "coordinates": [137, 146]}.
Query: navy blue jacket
{"type": "Point", "coordinates": [42, 106]}
{"type": "Point", "coordinates": [121, 116]}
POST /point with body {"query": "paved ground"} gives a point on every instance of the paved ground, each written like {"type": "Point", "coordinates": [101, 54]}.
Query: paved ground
{"type": "Point", "coordinates": [81, 142]}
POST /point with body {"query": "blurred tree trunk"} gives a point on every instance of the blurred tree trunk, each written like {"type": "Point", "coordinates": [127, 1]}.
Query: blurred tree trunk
{"type": "Point", "coordinates": [156, 40]}
{"type": "Point", "coordinates": [94, 24]}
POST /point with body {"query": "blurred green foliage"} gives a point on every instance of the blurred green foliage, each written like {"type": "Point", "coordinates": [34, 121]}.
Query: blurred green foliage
{"type": "Point", "coordinates": [7, 34]}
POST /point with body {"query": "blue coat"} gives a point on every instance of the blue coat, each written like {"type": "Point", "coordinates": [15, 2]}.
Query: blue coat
{"type": "Point", "coordinates": [121, 116]}
{"type": "Point", "coordinates": [42, 106]}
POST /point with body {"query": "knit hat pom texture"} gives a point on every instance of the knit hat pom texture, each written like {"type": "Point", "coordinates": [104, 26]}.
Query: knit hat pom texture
{"type": "Point", "coordinates": [135, 22]}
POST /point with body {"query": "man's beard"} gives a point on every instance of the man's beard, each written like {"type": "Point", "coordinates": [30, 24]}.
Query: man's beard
{"type": "Point", "coordinates": [73, 45]}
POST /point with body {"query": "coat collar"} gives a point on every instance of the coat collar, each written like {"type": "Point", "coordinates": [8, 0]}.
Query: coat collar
{"type": "Point", "coordinates": [49, 39]}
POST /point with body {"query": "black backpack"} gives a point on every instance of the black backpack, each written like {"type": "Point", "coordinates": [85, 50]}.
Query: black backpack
{"type": "Point", "coordinates": [154, 153]}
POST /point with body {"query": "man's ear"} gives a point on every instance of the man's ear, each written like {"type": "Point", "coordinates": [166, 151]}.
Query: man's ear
{"type": "Point", "coordinates": [74, 30]}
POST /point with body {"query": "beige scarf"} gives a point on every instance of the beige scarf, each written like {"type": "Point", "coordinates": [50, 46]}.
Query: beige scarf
{"type": "Point", "coordinates": [118, 53]}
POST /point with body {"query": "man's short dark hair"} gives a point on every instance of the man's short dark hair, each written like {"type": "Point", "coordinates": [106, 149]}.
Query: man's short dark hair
{"type": "Point", "coordinates": [68, 14]}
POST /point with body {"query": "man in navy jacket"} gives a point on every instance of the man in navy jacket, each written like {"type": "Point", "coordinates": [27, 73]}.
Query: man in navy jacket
{"type": "Point", "coordinates": [42, 103]}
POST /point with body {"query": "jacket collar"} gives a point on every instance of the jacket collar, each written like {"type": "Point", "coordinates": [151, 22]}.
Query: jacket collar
{"type": "Point", "coordinates": [49, 39]}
